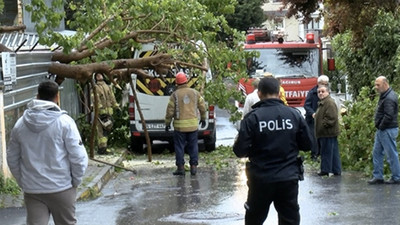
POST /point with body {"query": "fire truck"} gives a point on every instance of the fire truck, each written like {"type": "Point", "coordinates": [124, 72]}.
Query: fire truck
{"type": "Point", "coordinates": [296, 64]}
{"type": "Point", "coordinates": [153, 96]}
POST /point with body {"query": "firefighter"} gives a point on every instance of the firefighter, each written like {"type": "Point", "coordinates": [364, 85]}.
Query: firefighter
{"type": "Point", "coordinates": [183, 107]}
{"type": "Point", "coordinates": [107, 104]}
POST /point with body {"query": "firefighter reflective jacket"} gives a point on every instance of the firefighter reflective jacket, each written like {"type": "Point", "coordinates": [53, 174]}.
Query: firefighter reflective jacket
{"type": "Point", "coordinates": [183, 107]}
{"type": "Point", "coordinates": [106, 99]}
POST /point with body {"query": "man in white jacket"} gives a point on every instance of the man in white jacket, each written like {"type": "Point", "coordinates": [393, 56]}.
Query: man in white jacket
{"type": "Point", "coordinates": [47, 158]}
{"type": "Point", "coordinates": [251, 98]}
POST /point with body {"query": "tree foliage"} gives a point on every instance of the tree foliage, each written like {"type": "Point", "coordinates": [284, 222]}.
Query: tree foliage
{"type": "Point", "coordinates": [341, 16]}
{"type": "Point", "coordinates": [107, 31]}
{"type": "Point", "coordinates": [378, 55]}
{"type": "Point", "coordinates": [301, 8]}
{"type": "Point", "coordinates": [248, 13]}
{"type": "Point", "coordinates": [357, 132]}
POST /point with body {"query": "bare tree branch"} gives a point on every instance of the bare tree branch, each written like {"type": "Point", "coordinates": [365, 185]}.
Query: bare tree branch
{"type": "Point", "coordinates": [7, 29]}
{"type": "Point", "coordinates": [76, 56]}
{"type": "Point", "coordinates": [83, 72]}
{"type": "Point", "coordinates": [95, 31]}
{"type": "Point", "coordinates": [162, 19]}
{"type": "Point", "coordinates": [191, 65]}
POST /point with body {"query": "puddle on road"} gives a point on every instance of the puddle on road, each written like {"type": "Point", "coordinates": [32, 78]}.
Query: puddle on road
{"type": "Point", "coordinates": [203, 218]}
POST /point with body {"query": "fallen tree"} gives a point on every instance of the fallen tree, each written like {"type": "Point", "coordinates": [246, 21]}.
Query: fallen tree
{"type": "Point", "coordinates": [107, 32]}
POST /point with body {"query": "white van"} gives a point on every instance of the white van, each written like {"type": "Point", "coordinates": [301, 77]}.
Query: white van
{"type": "Point", "coordinates": [153, 96]}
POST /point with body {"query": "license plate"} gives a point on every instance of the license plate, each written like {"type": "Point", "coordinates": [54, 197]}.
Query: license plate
{"type": "Point", "coordinates": [155, 126]}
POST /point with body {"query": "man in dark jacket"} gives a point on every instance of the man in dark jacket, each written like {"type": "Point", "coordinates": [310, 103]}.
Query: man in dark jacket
{"type": "Point", "coordinates": [270, 136]}
{"type": "Point", "coordinates": [387, 131]}
{"type": "Point", "coordinates": [310, 106]}
{"type": "Point", "coordinates": [326, 131]}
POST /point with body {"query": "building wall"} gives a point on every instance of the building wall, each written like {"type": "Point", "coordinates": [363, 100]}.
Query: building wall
{"type": "Point", "coordinates": [295, 30]}
{"type": "Point", "coordinates": [278, 20]}
{"type": "Point", "coordinates": [10, 13]}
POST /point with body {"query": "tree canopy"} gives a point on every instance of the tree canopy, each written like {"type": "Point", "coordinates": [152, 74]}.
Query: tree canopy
{"type": "Point", "coordinates": [365, 34]}
{"type": "Point", "coordinates": [248, 13]}
{"type": "Point", "coordinates": [341, 16]}
{"type": "Point", "coordinates": [106, 32]}
{"type": "Point", "coordinates": [378, 55]}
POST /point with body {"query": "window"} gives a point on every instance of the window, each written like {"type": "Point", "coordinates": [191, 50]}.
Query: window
{"type": "Point", "coordinates": [10, 12]}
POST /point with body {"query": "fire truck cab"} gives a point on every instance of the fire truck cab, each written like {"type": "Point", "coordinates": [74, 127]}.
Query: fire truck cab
{"type": "Point", "coordinates": [296, 64]}
{"type": "Point", "coordinates": [153, 97]}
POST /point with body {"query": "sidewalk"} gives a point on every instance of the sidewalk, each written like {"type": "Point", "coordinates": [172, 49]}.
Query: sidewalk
{"type": "Point", "coordinates": [97, 175]}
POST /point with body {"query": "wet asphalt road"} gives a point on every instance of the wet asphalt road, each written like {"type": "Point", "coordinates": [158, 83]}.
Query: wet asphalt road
{"type": "Point", "coordinates": [155, 197]}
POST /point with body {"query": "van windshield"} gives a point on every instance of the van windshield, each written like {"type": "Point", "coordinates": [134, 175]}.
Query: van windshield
{"type": "Point", "coordinates": [285, 62]}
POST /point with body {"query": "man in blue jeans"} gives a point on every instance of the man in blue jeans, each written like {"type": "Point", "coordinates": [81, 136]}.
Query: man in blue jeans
{"type": "Point", "coordinates": [387, 131]}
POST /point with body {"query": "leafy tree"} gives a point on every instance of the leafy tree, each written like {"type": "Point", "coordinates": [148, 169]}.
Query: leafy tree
{"type": "Point", "coordinates": [107, 31]}
{"type": "Point", "coordinates": [248, 13]}
{"type": "Point", "coordinates": [378, 55]}
{"type": "Point", "coordinates": [357, 132]}
{"type": "Point", "coordinates": [343, 15]}
{"type": "Point", "coordinates": [301, 8]}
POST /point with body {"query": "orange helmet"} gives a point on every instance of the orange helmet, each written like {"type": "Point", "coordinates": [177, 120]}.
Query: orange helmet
{"type": "Point", "coordinates": [181, 78]}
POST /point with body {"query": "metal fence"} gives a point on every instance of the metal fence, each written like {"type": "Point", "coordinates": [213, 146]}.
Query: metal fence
{"type": "Point", "coordinates": [31, 70]}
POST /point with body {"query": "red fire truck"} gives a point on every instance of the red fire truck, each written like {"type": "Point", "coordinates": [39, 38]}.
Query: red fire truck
{"type": "Point", "coordinates": [296, 64]}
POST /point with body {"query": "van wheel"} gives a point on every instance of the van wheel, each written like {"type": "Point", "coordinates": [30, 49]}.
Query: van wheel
{"type": "Point", "coordinates": [137, 145]}
{"type": "Point", "coordinates": [209, 147]}
{"type": "Point", "coordinates": [171, 147]}
{"type": "Point", "coordinates": [209, 143]}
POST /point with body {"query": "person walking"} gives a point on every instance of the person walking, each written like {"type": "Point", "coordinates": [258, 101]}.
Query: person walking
{"type": "Point", "coordinates": [251, 98]}
{"type": "Point", "coordinates": [46, 156]}
{"type": "Point", "coordinates": [326, 131]}
{"type": "Point", "coordinates": [387, 130]}
{"type": "Point", "coordinates": [310, 106]}
{"type": "Point", "coordinates": [183, 107]}
{"type": "Point", "coordinates": [107, 104]}
{"type": "Point", "coordinates": [271, 136]}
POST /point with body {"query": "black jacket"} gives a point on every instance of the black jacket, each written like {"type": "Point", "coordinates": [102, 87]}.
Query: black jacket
{"type": "Point", "coordinates": [271, 136]}
{"type": "Point", "coordinates": [311, 104]}
{"type": "Point", "coordinates": [387, 110]}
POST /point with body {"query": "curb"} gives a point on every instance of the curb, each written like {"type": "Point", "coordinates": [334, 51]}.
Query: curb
{"type": "Point", "coordinates": [99, 181]}
{"type": "Point", "coordinates": [101, 175]}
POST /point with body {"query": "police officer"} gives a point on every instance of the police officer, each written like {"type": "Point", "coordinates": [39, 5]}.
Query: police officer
{"type": "Point", "coordinates": [270, 136]}
{"type": "Point", "coordinates": [107, 104]}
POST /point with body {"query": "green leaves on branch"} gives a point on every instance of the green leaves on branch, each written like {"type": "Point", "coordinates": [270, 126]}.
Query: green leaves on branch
{"type": "Point", "coordinates": [378, 54]}
{"type": "Point", "coordinates": [357, 133]}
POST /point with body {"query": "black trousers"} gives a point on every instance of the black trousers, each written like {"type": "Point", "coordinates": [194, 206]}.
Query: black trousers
{"type": "Point", "coordinates": [282, 194]}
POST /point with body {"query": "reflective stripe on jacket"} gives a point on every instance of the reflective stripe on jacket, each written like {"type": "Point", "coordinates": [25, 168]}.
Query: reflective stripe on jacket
{"type": "Point", "coordinates": [183, 107]}
{"type": "Point", "coordinates": [106, 99]}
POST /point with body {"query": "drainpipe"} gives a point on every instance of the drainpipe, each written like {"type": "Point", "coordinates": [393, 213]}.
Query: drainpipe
{"type": "Point", "coordinates": [6, 172]}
